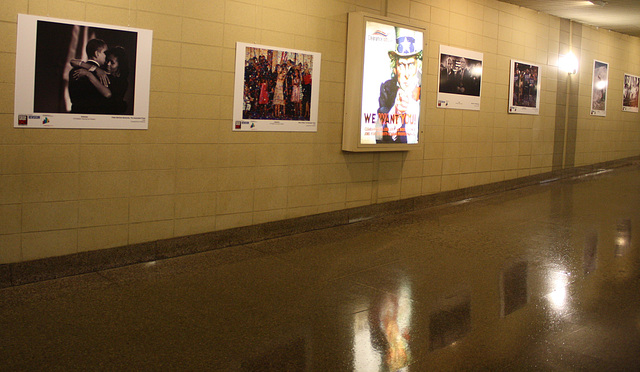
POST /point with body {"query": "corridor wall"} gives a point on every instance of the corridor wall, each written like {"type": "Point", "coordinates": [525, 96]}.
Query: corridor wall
{"type": "Point", "coordinates": [65, 191]}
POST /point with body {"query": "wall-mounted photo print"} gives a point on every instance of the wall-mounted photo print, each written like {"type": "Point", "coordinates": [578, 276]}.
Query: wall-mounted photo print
{"type": "Point", "coordinates": [524, 88]}
{"type": "Point", "coordinates": [460, 78]}
{"type": "Point", "coordinates": [599, 86]}
{"type": "Point", "coordinates": [630, 93]}
{"type": "Point", "coordinates": [275, 89]}
{"type": "Point", "coordinates": [72, 74]}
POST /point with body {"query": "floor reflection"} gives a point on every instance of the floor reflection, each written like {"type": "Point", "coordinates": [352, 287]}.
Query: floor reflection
{"type": "Point", "coordinates": [558, 282]}
{"type": "Point", "coordinates": [545, 278]}
{"type": "Point", "coordinates": [450, 324]}
{"type": "Point", "coordinates": [383, 338]}
{"type": "Point", "coordinates": [623, 237]}
{"type": "Point", "coordinates": [515, 291]}
{"type": "Point", "coordinates": [589, 262]}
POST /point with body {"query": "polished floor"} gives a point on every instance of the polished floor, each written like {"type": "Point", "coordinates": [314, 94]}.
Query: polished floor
{"type": "Point", "coordinates": [544, 278]}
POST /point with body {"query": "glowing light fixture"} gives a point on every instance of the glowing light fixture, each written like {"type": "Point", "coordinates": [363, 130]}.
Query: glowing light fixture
{"type": "Point", "coordinates": [568, 63]}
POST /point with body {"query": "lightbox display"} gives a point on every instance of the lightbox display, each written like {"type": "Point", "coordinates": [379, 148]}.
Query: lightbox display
{"type": "Point", "coordinates": [383, 84]}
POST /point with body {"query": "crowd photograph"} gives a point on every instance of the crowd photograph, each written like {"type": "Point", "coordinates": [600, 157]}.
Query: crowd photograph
{"type": "Point", "coordinates": [525, 85]}
{"type": "Point", "coordinates": [277, 85]}
{"type": "Point", "coordinates": [630, 92]}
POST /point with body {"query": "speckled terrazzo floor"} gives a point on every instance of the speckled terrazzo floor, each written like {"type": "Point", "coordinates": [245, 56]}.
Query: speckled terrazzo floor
{"type": "Point", "coordinates": [544, 278]}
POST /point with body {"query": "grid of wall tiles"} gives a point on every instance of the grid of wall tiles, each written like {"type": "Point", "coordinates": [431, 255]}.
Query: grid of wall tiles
{"type": "Point", "coordinates": [64, 191]}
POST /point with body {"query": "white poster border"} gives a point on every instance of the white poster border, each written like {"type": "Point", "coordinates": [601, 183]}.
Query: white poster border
{"type": "Point", "coordinates": [520, 109]}
{"type": "Point", "coordinates": [241, 123]}
{"type": "Point", "coordinates": [596, 90]}
{"type": "Point", "coordinates": [634, 90]}
{"type": "Point", "coordinates": [24, 111]}
{"type": "Point", "coordinates": [454, 100]}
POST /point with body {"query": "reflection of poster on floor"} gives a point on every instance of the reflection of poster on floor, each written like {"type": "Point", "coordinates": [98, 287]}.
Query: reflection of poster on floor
{"type": "Point", "coordinates": [72, 74]}
{"type": "Point", "coordinates": [599, 88]}
{"type": "Point", "coordinates": [524, 88]}
{"type": "Point", "coordinates": [630, 93]}
{"type": "Point", "coordinates": [460, 78]}
{"type": "Point", "coordinates": [275, 89]}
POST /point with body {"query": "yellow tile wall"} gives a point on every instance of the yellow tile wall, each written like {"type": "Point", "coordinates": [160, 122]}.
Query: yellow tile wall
{"type": "Point", "coordinates": [67, 191]}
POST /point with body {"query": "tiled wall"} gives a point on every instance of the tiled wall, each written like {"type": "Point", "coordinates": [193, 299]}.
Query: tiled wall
{"type": "Point", "coordinates": [68, 191]}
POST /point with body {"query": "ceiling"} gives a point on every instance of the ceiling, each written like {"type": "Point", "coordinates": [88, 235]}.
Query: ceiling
{"type": "Point", "coordinates": [617, 15]}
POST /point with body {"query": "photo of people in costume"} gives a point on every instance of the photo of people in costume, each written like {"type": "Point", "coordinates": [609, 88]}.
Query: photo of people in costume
{"type": "Point", "coordinates": [392, 83]}
{"type": "Point", "coordinates": [275, 89]}
{"type": "Point", "coordinates": [277, 84]}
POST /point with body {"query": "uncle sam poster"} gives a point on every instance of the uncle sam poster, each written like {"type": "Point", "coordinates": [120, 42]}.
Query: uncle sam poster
{"type": "Point", "coordinates": [391, 87]}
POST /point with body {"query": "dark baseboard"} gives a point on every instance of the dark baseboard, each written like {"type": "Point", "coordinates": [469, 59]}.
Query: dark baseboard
{"type": "Point", "coordinates": [85, 262]}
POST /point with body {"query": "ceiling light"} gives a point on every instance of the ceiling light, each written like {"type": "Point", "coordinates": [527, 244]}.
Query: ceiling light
{"type": "Point", "coordinates": [598, 2]}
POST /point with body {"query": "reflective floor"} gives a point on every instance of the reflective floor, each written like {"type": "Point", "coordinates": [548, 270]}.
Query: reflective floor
{"type": "Point", "coordinates": [545, 278]}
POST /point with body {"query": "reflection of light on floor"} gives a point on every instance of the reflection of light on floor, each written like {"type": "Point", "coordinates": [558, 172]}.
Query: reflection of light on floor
{"type": "Point", "coordinates": [381, 335]}
{"type": "Point", "coordinates": [365, 358]}
{"type": "Point", "coordinates": [623, 237]}
{"type": "Point", "coordinates": [558, 284]}
{"type": "Point", "coordinates": [463, 201]}
{"type": "Point", "coordinates": [621, 244]}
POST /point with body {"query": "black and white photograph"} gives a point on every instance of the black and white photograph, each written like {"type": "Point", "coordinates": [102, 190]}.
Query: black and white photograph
{"type": "Point", "coordinates": [72, 74]}
{"type": "Point", "coordinates": [460, 78]}
{"type": "Point", "coordinates": [275, 89]}
{"type": "Point", "coordinates": [599, 86]}
{"type": "Point", "coordinates": [524, 88]}
{"type": "Point", "coordinates": [630, 93]}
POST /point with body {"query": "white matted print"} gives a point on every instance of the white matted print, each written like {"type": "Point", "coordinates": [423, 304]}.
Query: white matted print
{"type": "Point", "coordinates": [524, 88]}
{"type": "Point", "coordinates": [630, 93]}
{"type": "Point", "coordinates": [59, 85]}
{"type": "Point", "coordinates": [599, 86]}
{"type": "Point", "coordinates": [275, 89]}
{"type": "Point", "coordinates": [460, 78]}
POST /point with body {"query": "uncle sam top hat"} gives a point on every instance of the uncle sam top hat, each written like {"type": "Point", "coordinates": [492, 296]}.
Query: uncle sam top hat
{"type": "Point", "coordinates": [406, 45]}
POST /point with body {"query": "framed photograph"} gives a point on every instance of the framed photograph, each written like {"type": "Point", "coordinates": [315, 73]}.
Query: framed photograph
{"type": "Point", "coordinates": [276, 89]}
{"type": "Point", "coordinates": [72, 74]}
{"type": "Point", "coordinates": [460, 79]}
{"type": "Point", "coordinates": [383, 84]}
{"type": "Point", "coordinates": [524, 88]}
{"type": "Point", "coordinates": [599, 88]}
{"type": "Point", "coordinates": [630, 93]}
